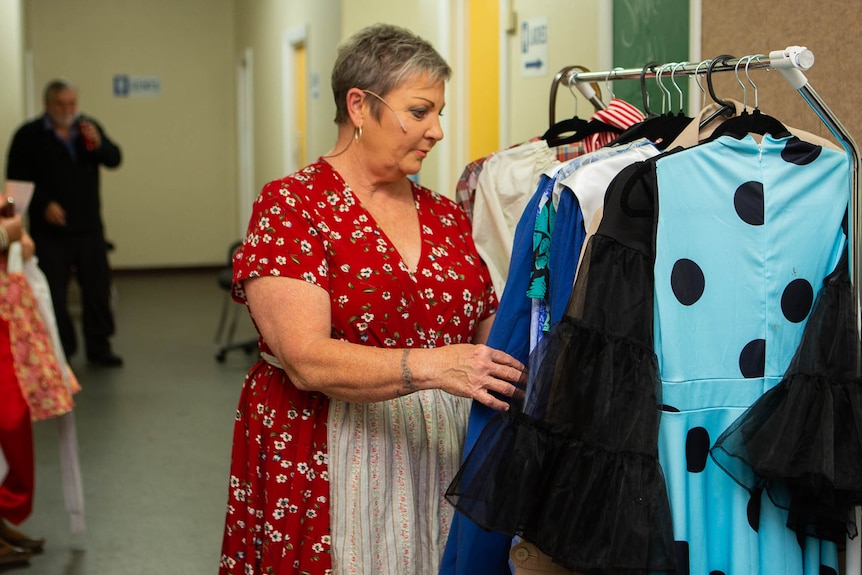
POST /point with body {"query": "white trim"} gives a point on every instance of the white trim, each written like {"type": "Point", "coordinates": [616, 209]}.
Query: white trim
{"type": "Point", "coordinates": [289, 40]}
{"type": "Point", "coordinates": [695, 37]}
{"type": "Point", "coordinates": [462, 86]}
{"type": "Point", "coordinates": [444, 185]}
{"type": "Point", "coordinates": [245, 138]}
{"type": "Point", "coordinates": [504, 86]}
{"type": "Point", "coordinates": [29, 84]}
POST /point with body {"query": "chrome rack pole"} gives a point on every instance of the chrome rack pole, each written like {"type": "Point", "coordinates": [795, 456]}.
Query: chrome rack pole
{"type": "Point", "coordinates": [690, 69]}
{"type": "Point", "coordinates": [786, 62]}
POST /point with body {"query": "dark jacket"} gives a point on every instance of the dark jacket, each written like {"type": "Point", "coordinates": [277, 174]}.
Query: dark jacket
{"type": "Point", "coordinates": [38, 155]}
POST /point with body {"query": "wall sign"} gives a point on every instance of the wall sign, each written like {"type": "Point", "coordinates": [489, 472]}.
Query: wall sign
{"type": "Point", "coordinates": [126, 86]}
{"type": "Point", "coordinates": [534, 46]}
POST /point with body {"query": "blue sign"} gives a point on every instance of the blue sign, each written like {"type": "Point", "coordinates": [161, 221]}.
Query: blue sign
{"type": "Point", "coordinates": [126, 86]}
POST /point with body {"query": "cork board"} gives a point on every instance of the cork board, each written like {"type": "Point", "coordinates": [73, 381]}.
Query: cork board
{"type": "Point", "coordinates": [829, 29]}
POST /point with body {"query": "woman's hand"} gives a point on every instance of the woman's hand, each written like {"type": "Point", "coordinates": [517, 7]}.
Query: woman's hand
{"type": "Point", "coordinates": [475, 371]}
{"type": "Point", "coordinates": [28, 246]}
{"type": "Point", "coordinates": [14, 227]}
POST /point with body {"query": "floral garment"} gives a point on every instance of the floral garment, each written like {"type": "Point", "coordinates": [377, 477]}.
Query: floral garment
{"type": "Point", "coordinates": [47, 391]}
{"type": "Point", "coordinates": [310, 226]}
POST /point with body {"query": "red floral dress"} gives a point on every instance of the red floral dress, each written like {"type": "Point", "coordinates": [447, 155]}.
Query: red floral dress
{"type": "Point", "coordinates": [310, 226]}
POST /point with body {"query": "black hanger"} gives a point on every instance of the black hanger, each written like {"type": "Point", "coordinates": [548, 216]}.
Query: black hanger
{"type": "Point", "coordinates": [727, 108]}
{"type": "Point", "coordinates": [575, 130]}
{"type": "Point", "coordinates": [660, 129]}
{"type": "Point", "coordinates": [753, 123]}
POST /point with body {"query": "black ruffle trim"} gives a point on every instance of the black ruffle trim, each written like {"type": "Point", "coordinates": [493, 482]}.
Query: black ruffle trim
{"type": "Point", "coordinates": [802, 440]}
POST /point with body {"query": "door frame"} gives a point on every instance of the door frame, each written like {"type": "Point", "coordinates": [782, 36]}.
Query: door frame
{"type": "Point", "coordinates": [292, 37]}
{"type": "Point", "coordinates": [246, 191]}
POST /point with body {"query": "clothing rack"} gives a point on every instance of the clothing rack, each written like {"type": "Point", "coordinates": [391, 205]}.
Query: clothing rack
{"type": "Point", "coordinates": [791, 62]}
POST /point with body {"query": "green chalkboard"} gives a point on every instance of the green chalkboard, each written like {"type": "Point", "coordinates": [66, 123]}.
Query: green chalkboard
{"type": "Point", "coordinates": [646, 31]}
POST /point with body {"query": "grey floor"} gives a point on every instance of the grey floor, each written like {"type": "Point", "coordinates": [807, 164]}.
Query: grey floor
{"type": "Point", "coordinates": [154, 439]}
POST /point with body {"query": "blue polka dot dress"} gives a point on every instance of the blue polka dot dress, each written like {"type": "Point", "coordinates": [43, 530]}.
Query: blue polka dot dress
{"type": "Point", "coordinates": [746, 234]}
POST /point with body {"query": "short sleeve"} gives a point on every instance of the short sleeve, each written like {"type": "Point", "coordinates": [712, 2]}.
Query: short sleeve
{"type": "Point", "coordinates": [283, 238]}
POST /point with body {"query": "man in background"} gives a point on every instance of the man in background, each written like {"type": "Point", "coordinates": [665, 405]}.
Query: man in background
{"type": "Point", "coordinates": [61, 151]}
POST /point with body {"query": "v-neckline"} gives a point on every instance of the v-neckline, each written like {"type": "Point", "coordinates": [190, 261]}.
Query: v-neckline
{"type": "Point", "coordinates": [379, 229]}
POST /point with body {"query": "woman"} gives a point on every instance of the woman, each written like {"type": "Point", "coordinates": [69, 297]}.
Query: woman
{"type": "Point", "coordinates": [371, 303]}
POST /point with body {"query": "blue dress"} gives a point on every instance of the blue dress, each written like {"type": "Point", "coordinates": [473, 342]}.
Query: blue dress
{"type": "Point", "coordinates": [742, 247]}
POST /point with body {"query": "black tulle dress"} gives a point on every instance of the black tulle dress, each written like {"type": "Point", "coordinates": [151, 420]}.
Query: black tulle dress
{"type": "Point", "coordinates": [574, 468]}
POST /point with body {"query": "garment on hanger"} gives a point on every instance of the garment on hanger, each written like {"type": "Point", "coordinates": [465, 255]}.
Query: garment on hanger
{"type": "Point", "coordinates": [579, 188]}
{"type": "Point", "coordinates": [504, 179]}
{"type": "Point", "coordinates": [756, 218]}
{"type": "Point", "coordinates": [503, 188]}
{"type": "Point", "coordinates": [745, 229]}
{"type": "Point", "coordinates": [578, 476]}
{"type": "Point", "coordinates": [470, 548]}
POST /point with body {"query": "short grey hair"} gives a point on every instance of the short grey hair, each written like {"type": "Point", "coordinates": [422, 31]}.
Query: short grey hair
{"type": "Point", "coordinates": [55, 86]}
{"type": "Point", "coordinates": [379, 58]}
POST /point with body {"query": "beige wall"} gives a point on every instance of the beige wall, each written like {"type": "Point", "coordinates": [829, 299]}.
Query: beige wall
{"type": "Point", "coordinates": [12, 64]}
{"type": "Point", "coordinates": [261, 25]}
{"type": "Point", "coordinates": [175, 202]}
{"type": "Point", "coordinates": [433, 20]}
{"type": "Point", "coordinates": [171, 203]}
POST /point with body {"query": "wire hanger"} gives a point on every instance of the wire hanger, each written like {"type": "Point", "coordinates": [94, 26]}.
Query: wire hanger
{"type": "Point", "coordinates": [644, 91]}
{"type": "Point", "coordinates": [666, 96]}
{"type": "Point", "coordinates": [555, 84]}
{"type": "Point", "coordinates": [675, 85]}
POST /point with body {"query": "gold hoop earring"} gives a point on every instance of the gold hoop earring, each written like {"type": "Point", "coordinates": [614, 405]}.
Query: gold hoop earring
{"type": "Point", "coordinates": [357, 133]}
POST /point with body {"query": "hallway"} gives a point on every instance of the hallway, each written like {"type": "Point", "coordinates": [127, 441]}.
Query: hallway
{"type": "Point", "coordinates": [154, 439]}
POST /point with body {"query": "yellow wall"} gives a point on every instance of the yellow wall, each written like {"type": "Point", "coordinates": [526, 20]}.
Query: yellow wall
{"type": "Point", "coordinates": [171, 201]}
{"type": "Point", "coordinates": [484, 77]}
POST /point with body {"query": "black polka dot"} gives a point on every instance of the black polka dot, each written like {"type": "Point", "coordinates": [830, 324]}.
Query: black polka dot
{"type": "Point", "coordinates": [687, 281]}
{"type": "Point", "coordinates": [796, 300]}
{"type": "Point", "coordinates": [669, 408]}
{"type": "Point", "coordinates": [753, 511]}
{"type": "Point", "coordinates": [752, 360]}
{"type": "Point", "coordinates": [800, 153]}
{"type": "Point", "coordinates": [696, 449]}
{"type": "Point", "coordinates": [717, 573]}
{"type": "Point", "coordinates": [683, 563]}
{"type": "Point", "coordinates": [827, 570]}
{"type": "Point", "coordinates": [748, 201]}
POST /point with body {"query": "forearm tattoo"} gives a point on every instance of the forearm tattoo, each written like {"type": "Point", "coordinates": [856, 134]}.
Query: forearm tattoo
{"type": "Point", "coordinates": [406, 375]}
